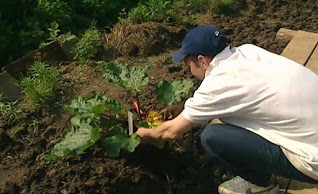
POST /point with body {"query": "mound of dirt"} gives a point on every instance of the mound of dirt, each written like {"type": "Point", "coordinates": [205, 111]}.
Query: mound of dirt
{"type": "Point", "coordinates": [141, 39]}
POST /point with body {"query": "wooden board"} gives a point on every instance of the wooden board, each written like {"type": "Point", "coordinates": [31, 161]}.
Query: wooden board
{"type": "Point", "coordinates": [297, 187]}
{"type": "Point", "coordinates": [301, 47]}
{"type": "Point", "coordinates": [312, 63]}
{"type": "Point", "coordinates": [285, 35]}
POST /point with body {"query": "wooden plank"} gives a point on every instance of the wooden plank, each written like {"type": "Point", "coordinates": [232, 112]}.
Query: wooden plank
{"type": "Point", "coordinates": [296, 187]}
{"type": "Point", "coordinates": [285, 35]}
{"type": "Point", "coordinates": [301, 47]}
{"type": "Point", "coordinates": [312, 63]}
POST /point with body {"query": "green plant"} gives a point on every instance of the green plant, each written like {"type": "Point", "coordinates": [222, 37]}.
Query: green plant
{"type": "Point", "coordinates": [54, 35]}
{"type": "Point", "coordinates": [54, 31]}
{"type": "Point", "coordinates": [88, 45]}
{"type": "Point", "coordinates": [11, 111]}
{"type": "Point", "coordinates": [101, 118]}
{"type": "Point", "coordinates": [41, 84]}
{"type": "Point", "coordinates": [217, 6]}
{"type": "Point", "coordinates": [154, 10]}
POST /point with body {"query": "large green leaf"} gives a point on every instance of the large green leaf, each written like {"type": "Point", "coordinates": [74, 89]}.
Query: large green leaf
{"type": "Point", "coordinates": [172, 92]}
{"type": "Point", "coordinates": [83, 134]}
{"type": "Point", "coordinates": [131, 79]}
{"type": "Point", "coordinates": [93, 106]}
{"type": "Point", "coordinates": [118, 139]}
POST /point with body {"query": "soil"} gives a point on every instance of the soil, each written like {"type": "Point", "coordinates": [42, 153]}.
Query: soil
{"type": "Point", "coordinates": [182, 166]}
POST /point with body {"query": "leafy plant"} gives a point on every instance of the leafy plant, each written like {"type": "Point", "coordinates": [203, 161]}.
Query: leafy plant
{"type": "Point", "coordinates": [40, 86]}
{"type": "Point", "coordinates": [100, 118]}
{"type": "Point", "coordinates": [173, 92]}
{"type": "Point", "coordinates": [117, 139]}
{"type": "Point", "coordinates": [56, 35]}
{"type": "Point", "coordinates": [130, 79]}
{"type": "Point", "coordinates": [154, 10]}
{"type": "Point", "coordinates": [88, 45]}
{"type": "Point", "coordinates": [86, 126]}
{"type": "Point", "coordinates": [11, 111]}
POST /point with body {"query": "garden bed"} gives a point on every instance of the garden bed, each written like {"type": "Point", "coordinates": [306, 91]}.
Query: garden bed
{"type": "Point", "coordinates": [182, 166]}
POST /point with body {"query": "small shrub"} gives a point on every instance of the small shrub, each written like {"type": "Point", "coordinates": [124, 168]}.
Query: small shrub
{"type": "Point", "coordinates": [87, 46]}
{"type": "Point", "coordinates": [41, 85]}
{"type": "Point", "coordinates": [155, 10]}
{"type": "Point", "coordinates": [55, 35]}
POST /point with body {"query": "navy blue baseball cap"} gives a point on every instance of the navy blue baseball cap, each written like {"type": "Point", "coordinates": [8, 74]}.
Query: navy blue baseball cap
{"type": "Point", "coordinates": [203, 40]}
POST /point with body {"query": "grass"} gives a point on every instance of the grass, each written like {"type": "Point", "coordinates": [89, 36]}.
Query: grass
{"type": "Point", "coordinates": [40, 86]}
{"type": "Point", "coordinates": [11, 111]}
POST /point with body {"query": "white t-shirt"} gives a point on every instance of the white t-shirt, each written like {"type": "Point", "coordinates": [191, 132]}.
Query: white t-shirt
{"type": "Point", "coordinates": [265, 93]}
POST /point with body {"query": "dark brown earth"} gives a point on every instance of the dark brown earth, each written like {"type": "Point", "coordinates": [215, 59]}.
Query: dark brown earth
{"type": "Point", "coordinates": [182, 166]}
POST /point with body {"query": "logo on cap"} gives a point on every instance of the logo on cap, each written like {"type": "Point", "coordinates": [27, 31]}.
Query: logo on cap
{"type": "Point", "coordinates": [216, 33]}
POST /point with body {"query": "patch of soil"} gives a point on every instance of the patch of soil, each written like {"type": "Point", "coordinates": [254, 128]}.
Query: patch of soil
{"type": "Point", "coordinates": [182, 166]}
{"type": "Point", "coordinates": [141, 39]}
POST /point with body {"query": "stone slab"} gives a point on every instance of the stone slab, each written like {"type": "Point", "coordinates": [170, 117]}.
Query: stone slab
{"type": "Point", "coordinates": [10, 91]}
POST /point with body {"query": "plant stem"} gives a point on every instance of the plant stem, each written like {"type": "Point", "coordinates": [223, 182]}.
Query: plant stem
{"type": "Point", "coordinates": [136, 105]}
{"type": "Point", "coordinates": [137, 97]}
{"type": "Point", "coordinates": [113, 118]}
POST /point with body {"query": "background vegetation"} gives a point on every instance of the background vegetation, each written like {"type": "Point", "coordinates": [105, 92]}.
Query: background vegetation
{"type": "Point", "coordinates": [24, 23]}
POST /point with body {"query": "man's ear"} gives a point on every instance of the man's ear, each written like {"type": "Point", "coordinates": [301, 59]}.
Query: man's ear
{"type": "Point", "coordinates": [204, 61]}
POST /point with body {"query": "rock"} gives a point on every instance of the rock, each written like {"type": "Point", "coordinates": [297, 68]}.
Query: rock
{"type": "Point", "coordinates": [8, 88]}
{"type": "Point", "coordinates": [67, 47]}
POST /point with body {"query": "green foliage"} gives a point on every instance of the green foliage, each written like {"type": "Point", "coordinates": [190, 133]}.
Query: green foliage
{"type": "Point", "coordinates": [118, 139]}
{"type": "Point", "coordinates": [172, 92]}
{"type": "Point", "coordinates": [154, 10]}
{"type": "Point", "coordinates": [23, 22]}
{"type": "Point", "coordinates": [82, 135]}
{"type": "Point", "coordinates": [96, 113]}
{"type": "Point", "coordinates": [93, 106]}
{"type": "Point", "coordinates": [217, 6]}
{"type": "Point", "coordinates": [55, 35]}
{"type": "Point", "coordinates": [11, 111]}
{"type": "Point", "coordinates": [132, 79]}
{"type": "Point", "coordinates": [40, 86]}
{"type": "Point", "coordinates": [88, 45]}
{"type": "Point", "coordinates": [85, 125]}
{"type": "Point", "coordinates": [54, 31]}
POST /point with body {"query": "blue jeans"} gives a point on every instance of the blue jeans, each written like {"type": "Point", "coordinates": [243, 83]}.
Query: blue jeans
{"type": "Point", "coordinates": [248, 155]}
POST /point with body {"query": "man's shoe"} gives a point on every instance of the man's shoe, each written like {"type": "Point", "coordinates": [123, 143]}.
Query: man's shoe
{"type": "Point", "coordinates": [238, 185]}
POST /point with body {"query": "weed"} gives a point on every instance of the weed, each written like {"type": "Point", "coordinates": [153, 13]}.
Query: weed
{"type": "Point", "coordinates": [55, 35]}
{"type": "Point", "coordinates": [88, 45]}
{"type": "Point", "coordinates": [10, 110]}
{"type": "Point", "coordinates": [40, 86]}
{"type": "Point", "coordinates": [154, 10]}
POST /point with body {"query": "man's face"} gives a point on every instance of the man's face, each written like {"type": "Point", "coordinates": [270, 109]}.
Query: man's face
{"type": "Point", "coordinates": [196, 68]}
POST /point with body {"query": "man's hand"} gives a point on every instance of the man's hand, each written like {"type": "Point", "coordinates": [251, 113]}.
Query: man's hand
{"type": "Point", "coordinates": [172, 111]}
{"type": "Point", "coordinates": [143, 134]}
{"type": "Point", "coordinates": [168, 130]}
